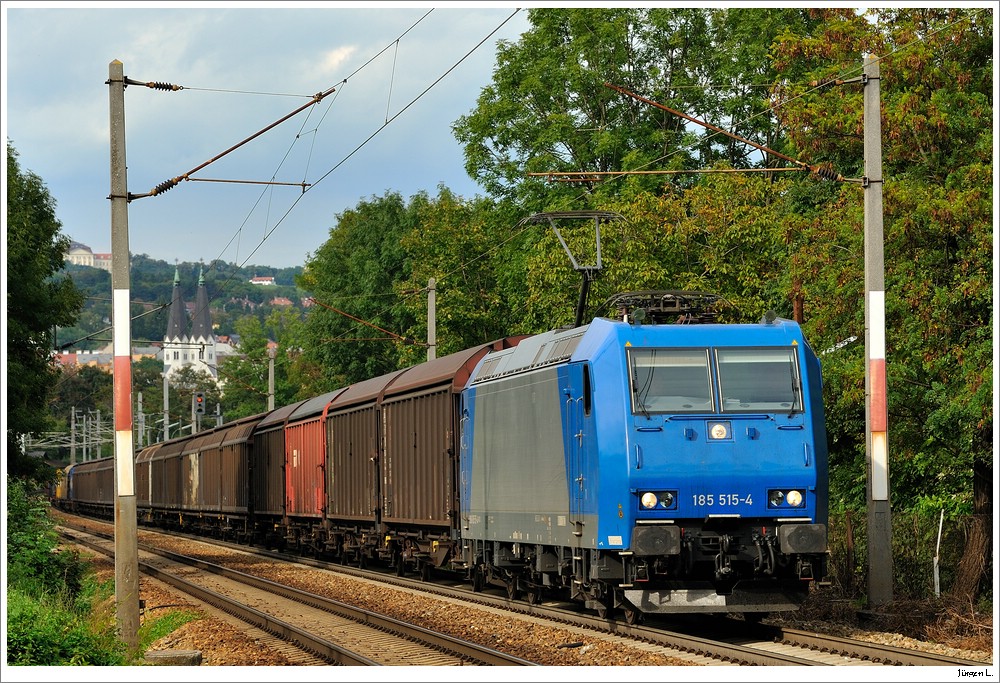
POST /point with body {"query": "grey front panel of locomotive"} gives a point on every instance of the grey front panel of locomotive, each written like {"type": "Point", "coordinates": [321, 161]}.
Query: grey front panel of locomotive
{"type": "Point", "coordinates": [519, 486]}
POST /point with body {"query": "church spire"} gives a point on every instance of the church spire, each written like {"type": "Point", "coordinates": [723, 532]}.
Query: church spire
{"type": "Point", "coordinates": [201, 327]}
{"type": "Point", "coordinates": [177, 323]}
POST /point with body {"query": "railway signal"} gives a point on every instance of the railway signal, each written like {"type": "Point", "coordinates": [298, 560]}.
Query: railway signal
{"type": "Point", "coordinates": [198, 399]}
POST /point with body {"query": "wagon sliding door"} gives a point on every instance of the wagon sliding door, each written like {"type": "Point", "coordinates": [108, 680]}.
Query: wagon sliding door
{"type": "Point", "coordinates": [418, 466]}
{"type": "Point", "coordinates": [305, 469]}
{"type": "Point", "coordinates": [352, 444]}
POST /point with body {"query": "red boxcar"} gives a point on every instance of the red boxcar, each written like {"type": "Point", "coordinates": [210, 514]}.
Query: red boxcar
{"type": "Point", "coordinates": [305, 478]}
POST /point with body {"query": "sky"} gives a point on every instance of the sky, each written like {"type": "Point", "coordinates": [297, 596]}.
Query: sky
{"type": "Point", "coordinates": [401, 74]}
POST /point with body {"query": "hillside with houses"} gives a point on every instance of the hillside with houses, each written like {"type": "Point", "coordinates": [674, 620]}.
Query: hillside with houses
{"type": "Point", "coordinates": [178, 302]}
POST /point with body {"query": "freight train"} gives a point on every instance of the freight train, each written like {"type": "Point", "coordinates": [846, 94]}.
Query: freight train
{"type": "Point", "coordinates": [651, 461]}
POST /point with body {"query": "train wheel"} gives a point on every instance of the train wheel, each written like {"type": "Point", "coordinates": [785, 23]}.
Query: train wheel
{"type": "Point", "coordinates": [512, 592]}
{"type": "Point", "coordinates": [603, 609]}
{"type": "Point", "coordinates": [534, 595]}
{"type": "Point", "coordinates": [425, 571]}
{"type": "Point", "coordinates": [399, 563]}
{"type": "Point", "coordinates": [633, 616]}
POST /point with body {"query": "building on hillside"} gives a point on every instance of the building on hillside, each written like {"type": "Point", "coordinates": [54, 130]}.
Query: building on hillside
{"type": "Point", "coordinates": [82, 255]}
{"type": "Point", "coordinates": [102, 261]}
{"type": "Point", "coordinates": [102, 359]}
{"type": "Point", "coordinates": [265, 280]}
{"type": "Point", "coordinates": [190, 339]}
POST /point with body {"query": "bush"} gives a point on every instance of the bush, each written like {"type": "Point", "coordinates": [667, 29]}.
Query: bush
{"type": "Point", "coordinates": [41, 631]}
{"type": "Point", "coordinates": [56, 613]}
{"type": "Point", "coordinates": [914, 547]}
{"type": "Point", "coordinates": [34, 564]}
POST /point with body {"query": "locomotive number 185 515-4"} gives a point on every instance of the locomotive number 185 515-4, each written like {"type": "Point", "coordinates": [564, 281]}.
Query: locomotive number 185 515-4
{"type": "Point", "coordinates": [720, 499]}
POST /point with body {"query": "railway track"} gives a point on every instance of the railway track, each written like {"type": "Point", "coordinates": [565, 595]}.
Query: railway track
{"type": "Point", "coordinates": [335, 632]}
{"type": "Point", "coordinates": [695, 641]}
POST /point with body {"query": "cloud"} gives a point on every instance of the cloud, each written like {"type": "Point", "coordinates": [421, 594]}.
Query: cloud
{"type": "Point", "coordinates": [334, 60]}
{"type": "Point", "coordinates": [243, 69]}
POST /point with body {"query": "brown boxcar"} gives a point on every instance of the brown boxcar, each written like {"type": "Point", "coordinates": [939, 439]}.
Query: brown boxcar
{"type": "Point", "coordinates": [267, 474]}
{"type": "Point", "coordinates": [235, 452]}
{"type": "Point", "coordinates": [220, 461]}
{"type": "Point", "coordinates": [167, 495]}
{"type": "Point", "coordinates": [144, 482]}
{"type": "Point", "coordinates": [353, 447]}
{"type": "Point", "coordinates": [91, 487]}
{"type": "Point", "coordinates": [393, 461]}
{"type": "Point", "coordinates": [190, 472]}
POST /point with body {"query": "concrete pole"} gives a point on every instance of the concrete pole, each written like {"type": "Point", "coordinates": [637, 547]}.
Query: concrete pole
{"type": "Point", "coordinates": [86, 441]}
{"type": "Point", "coordinates": [431, 319]}
{"type": "Point", "coordinates": [72, 436]}
{"type": "Point", "coordinates": [166, 406]}
{"type": "Point", "coordinates": [270, 378]}
{"type": "Point", "coordinates": [126, 539]}
{"type": "Point", "coordinates": [142, 420]}
{"type": "Point", "coordinates": [876, 413]}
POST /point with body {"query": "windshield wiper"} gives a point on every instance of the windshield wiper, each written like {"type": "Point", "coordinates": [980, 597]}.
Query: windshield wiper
{"type": "Point", "coordinates": [796, 390]}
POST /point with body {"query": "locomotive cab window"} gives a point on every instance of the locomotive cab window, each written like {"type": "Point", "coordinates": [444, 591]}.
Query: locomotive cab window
{"type": "Point", "coordinates": [759, 380]}
{"type": "Point", "coordinates": [670, 381]}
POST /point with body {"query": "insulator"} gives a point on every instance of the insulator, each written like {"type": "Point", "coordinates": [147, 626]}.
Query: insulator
{"type": "Point", "coordinates": [162, 86]}
{"type": "Point", "coordinates": [826, 172]}
{"type": "Point", "coordinates": [164, 186]}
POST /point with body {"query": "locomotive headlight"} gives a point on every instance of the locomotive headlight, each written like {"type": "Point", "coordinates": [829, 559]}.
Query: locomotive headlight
{"type": "Point", "coordinates": [658, 500]}
{"type": "Point", "coordinates": [718, 430]}
{"type": "Point", "coordinates": [791, 498]}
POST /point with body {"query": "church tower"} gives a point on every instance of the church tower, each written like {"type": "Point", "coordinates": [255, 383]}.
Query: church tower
{"type": "Point", "coordinates": [189, 341]}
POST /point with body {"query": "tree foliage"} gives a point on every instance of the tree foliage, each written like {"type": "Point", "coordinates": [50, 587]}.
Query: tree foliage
{"type": "Point", "coordinates": [549, 107]}
{"type": "Point", "coordinates": [245, 376]}
{"type": "Point", "coordinates": [38, 299]}
{"type": "Point", "coordinates": [935, 90]}
{"type": "Point", "coordinates": [937, 167]}
{"type": "Point", "coordinates": [358, 319]}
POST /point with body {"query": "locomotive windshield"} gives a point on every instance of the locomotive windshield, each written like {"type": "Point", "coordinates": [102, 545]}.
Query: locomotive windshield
{"type": "Point", "coordinates": [680, 380]}
{"type": "Point", "coordinates": [671, 381]}
{"type": "Point", "coordinates": [759, 380]}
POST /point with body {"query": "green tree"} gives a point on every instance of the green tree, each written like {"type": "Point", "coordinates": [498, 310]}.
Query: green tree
{"type": "Point", "coordinates": [183, 384]}
{"type": "Point", "coordinates": [38, 300]}
{"type": "Point", "coordinates": [467, 248]}
{"type": "Point", "coordinates": [352, 331]}
{"type": "Point", "coordinates": [147, 382]}
{"type": "Point", "coordinates": [935, 86]}
{"type": "Point", "coordinates": [549, 107]}
{"type": "Point", "coordinates": [245, 376]}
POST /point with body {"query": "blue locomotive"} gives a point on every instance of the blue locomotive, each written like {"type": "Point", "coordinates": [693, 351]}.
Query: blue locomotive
{"type": "Point", "coordinates": [654, 468]}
